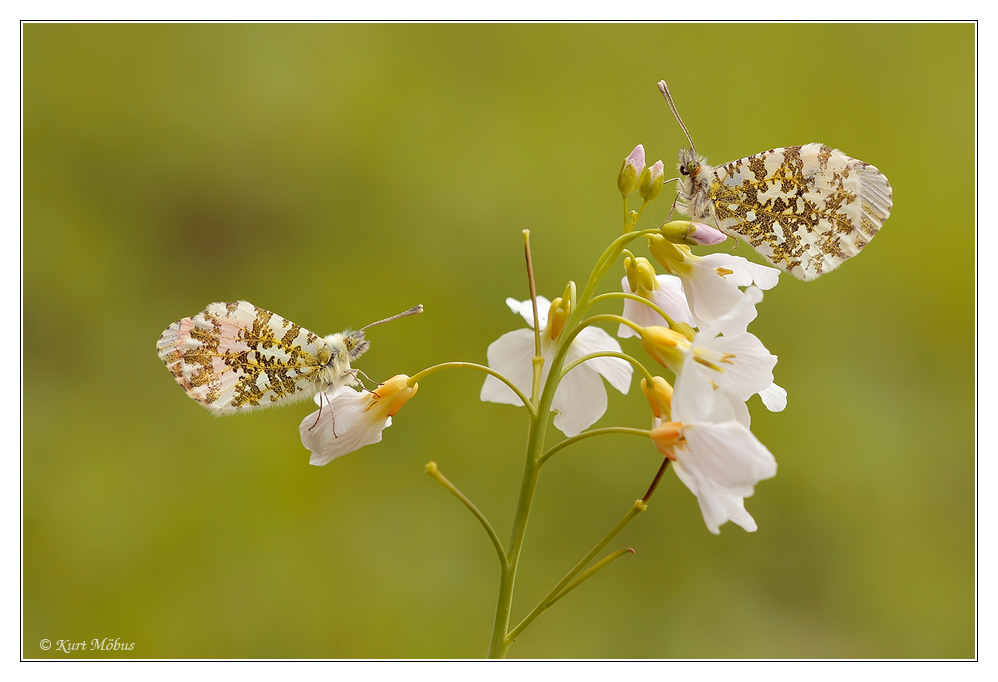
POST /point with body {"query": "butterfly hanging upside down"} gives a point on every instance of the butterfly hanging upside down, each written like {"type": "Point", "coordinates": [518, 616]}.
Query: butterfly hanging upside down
{"type": "Point", "coordinates": [805, 209]}
{"type": "Point", "coordinates": [235, 357]}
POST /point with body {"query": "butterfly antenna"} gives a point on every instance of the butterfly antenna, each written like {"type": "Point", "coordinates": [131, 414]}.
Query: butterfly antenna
{"type": "Point", "coordinates": [415, 310]}
{"type": "Point", "coordinates": [675, 112]}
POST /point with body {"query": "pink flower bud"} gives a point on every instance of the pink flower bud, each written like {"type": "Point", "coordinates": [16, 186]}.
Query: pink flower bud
{"type": "Point", "coordinates": [630, 173]}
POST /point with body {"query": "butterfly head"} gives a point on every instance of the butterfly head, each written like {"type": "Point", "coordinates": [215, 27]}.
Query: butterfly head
{"type": "Point", "coordinates": [356, 344]}
{"type": "Point", "coordinates": [689, 164]}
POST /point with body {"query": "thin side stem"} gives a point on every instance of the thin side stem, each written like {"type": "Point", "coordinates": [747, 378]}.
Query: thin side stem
{"type": "Point", "coordinates": [634, 297]}
{"type": "Point", "coordinates": [434, 471]}
{"type": "Point", "coordinates": [553, 595]}
{"type": "Point", "coordinates": [604, 317]}
{"type": "Point", "coordinates": [533, 298]}
{"type": "Point", "coordinates": [644, 433]}
{"type": "Point", "coordinates": [591, 571]}
{"type": "Point", "coordinates": [607, 354]}
{"type": "Point", "coordinates": [481, 368]}
{"type": "Point", "coordinates": [655, 481]}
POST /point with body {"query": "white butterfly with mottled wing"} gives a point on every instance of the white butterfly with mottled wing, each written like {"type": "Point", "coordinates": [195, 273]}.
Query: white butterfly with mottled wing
{"type": "Point", "coordinates": [235, 357]}
{"type": "Point", "coordinates": [805, 209]}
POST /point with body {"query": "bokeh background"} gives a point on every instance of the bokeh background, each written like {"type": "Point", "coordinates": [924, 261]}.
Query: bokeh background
{"type": "Point", "coordinates": [337, 174]}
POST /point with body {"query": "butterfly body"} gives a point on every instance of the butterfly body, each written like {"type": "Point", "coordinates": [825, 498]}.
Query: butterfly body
{"type": "Point", "coordinates": [805, 209]}
{"type": "Point", "coordinates": [234, 357]}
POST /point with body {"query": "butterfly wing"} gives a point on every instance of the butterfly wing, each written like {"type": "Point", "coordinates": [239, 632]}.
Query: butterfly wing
{"type": "Point", "coordinates": [234, 357]}
{"type": "Point", "coordinates": [806, 209]}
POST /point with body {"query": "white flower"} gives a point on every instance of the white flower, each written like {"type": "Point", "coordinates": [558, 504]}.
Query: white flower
{"type": "Point", "coordinates": [348, 419]}
{"type": "Point", "coordinates": [711, 282]}
{"type": "Point", "coordinates": [580, 399]}
{"type": "Point", "coordinates": [720, 462]}
{"type": "Point", "coordinates": [665, 291]}
{"type": "Point", "coordinates": [726, 369]}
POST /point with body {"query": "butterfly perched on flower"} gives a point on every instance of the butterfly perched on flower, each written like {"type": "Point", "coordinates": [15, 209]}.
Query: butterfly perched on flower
{"type": "Point", "coordinates": [235, 357]}
{"type": "Point", "coordinates": [805, 209]}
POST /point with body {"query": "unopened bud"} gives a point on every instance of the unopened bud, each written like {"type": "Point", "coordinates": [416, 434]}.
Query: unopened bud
{"type": "Point", "coordinates": [659, 396]}
{"type": "Point", "coordinates": [630, 173]}
{"type": "Point", "coordinates": [652, 180]}
{"type": "Point", "coordinates": [666, 346]}
{"type": "Point", "coordinates": [691, 233]}
{"type": "Point", "coordinates": [666, 436]}
{"type": "Point", "coordinates": [558, 316]}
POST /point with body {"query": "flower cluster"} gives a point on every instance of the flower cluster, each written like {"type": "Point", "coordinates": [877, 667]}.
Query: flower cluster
{"type": "Point", "coordinates": [693, 321]}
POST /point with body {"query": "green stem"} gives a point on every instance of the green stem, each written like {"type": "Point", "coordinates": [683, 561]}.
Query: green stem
{"type": "Point", "coordinates": [528, 486]}
{"type": "Point", "coordinates": [591, 571]}
{"type": "Point", "coordinates": [561, 588]}
{"type": "Point", "coordinates": [607, 354]}
{"type": "Point", "coordinates": [434, 471]}
{"type": "Point", "coordinates": [602, 266]}
{"type": "Point", "coordinates": [634, 297]}
{"type": "Point", "coordinates": [481, 368]}
{"type": "Point", "coordinates": [500, 641]}
{"type": "Point", "coordinates": [589, 434]}
{"type": "Point", "coordinates": [604, 317]}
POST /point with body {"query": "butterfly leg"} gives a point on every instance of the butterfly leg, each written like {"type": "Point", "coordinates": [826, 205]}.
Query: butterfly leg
{"type": "Point", "coordinates": [359, 372]}
{"type": "Point", "coordinates": [332, 416]}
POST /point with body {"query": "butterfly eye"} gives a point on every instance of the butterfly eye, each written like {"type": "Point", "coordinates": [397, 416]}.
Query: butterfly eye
{"type": "Point", "coordinates": [682, 170]}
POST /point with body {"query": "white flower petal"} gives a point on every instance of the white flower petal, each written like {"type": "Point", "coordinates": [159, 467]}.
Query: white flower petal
{"type": "Point", "coordinates": [744, 272]}
{"type": "Point", "coordinates": [668, 296]}
{"type": "Point", "coordinates": [512, 356]}
{"type": "Point", "coordinates": [615, 370]}
{"type": "Point", "coordinates": [580, 400]}
{"type": "Point", "coordinates": [341, 425]}
{"type": "Point", "coordinates": [730, 455]}
{"type": "Point", "coordinates": [717, 506]}
{"type": "Point", "coordinates": [748, 372]}
{"type": "Point", "coordinates": [737, 318]}
{"type": "Point", "coordinates": [774, 398]}
{"type": "Point", "coordinates": [721, 464]}
{"type": "Point", "coordinates": [526, 310]}
{"type": "Point", "coordinates": [693, 399]}
{"type": "Point", "coordinates": [709, 294]}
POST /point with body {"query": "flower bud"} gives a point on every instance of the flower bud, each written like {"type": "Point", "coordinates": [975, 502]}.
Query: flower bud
{"type": "Point", "coordinates": [630, 173]}
{"type": "Point", "coordinates": [558, 316]}
{"type": "Point", "coordinates": [666, 346]}
{"type": "Point", "coordinates": [640, 276]}
{"type": "Point", "coordinates": [666, 436]}
{"type": "Point", "coordinates": [694, 234]}
{"type": "Point", "coordinates": [390, 396]}
{"type": "Point", "coordinates": [659, 396]}
{"type": "Point", "coordinates": [652, 180]}
{"type": "Point", "coordinates": [675, 258]}
{"type": "Point", "coordinates": [684, 329]}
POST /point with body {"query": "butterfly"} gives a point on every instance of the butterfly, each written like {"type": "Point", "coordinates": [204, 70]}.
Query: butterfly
{"type": "Point", "coordinates": [805, 209]}
{"type": "Point", "coordinates": [235, 357]}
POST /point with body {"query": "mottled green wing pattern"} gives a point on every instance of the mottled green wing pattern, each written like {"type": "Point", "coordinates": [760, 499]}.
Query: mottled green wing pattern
{"type": "Point", "coordinates": [806, 209]}
{"type": "Point", "coordinates": [235, 357]}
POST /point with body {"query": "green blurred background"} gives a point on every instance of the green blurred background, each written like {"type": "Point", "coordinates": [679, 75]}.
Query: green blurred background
{"type": "Point", "coordinates": [337, 174]}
